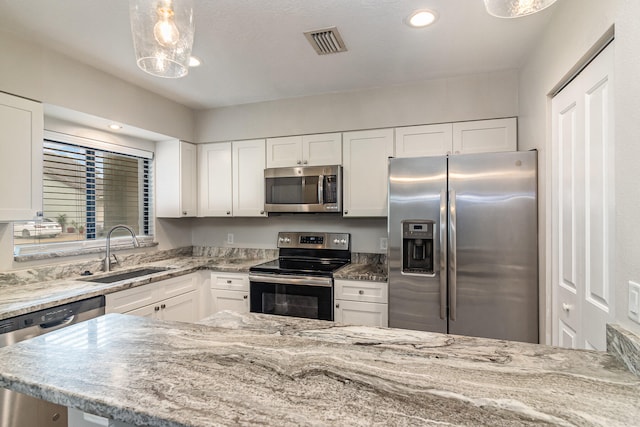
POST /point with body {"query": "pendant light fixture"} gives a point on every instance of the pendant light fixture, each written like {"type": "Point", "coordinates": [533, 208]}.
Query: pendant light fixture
{"type": "Point", "coordinates": [515, 8]}
{"type": "Point", "coordinates": [162, 36]}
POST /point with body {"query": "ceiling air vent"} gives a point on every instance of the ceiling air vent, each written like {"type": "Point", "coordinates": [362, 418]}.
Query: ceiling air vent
{"type": "Point", "coordinates": [326, 41]}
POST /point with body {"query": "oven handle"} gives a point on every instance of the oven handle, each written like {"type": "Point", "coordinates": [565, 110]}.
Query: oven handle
{"type": "Point", "coordinates": [291, 280]}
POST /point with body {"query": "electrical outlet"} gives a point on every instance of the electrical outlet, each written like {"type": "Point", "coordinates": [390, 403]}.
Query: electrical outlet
{"type": "Point", "coordinates": [383, 243]}
{"type": "Point", "coordinates": [634, 302]}
{"type": "Point", "coordinates": [229, 238]}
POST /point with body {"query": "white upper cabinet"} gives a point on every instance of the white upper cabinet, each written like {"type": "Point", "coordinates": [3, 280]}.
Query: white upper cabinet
{"type": "Point", "coordinates": [365, 172]}
{"type": "Point", "coordinates": [481, 136]}
{"type": "Point", "coordinates": [248, 158]}
{"type": "Point", "coordinates": [484, 136]}
{"type": "Point", "coordinates": [215, 177]}
{"type": "Point", "coordinates": [428, 140]}
{"type": "Point", "coordinates": [305, 150]}
{"type": "Point", "coordinates": [22, 125]}
{"type": "Point", "coordinates": [176, 179]}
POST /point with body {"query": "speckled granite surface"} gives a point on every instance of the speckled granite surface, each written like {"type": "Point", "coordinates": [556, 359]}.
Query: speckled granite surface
{"type": "Point", "coordinates": [24, 296]}
{"type": "Point", "coordinates": [154, 373]}
{"type": "Point", "coordinates": [625, 347]}
{"type": "Point", "coordinates": [370, 267]}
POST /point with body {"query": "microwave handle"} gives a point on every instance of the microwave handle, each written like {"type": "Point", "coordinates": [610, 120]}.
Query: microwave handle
{"type": "Point", "coordinates": [321, 189]}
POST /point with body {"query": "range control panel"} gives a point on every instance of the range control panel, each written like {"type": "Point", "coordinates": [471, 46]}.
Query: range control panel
{"type": "Point", "coordinates": [300, 240]}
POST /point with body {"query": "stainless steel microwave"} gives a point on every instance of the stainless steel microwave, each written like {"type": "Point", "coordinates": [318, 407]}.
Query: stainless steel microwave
{"type": "Point", "coordinates": [303, 189]}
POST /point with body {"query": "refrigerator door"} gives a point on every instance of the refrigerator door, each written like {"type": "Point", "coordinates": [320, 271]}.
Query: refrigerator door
{"type": "Point", "coordinates": [417, 210]}
{"type": "Point", "coordinates": [493, 270]}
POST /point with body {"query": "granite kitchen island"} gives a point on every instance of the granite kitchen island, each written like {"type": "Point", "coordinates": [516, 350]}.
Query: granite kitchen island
{"type": "Point", "coordinates": [269, 370]}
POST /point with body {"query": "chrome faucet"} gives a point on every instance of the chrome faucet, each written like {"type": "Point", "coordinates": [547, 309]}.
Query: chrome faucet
{"type": "Point", "coordinates": [136, 244]}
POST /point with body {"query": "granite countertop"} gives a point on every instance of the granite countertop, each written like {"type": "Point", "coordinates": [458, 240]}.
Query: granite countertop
{"type": "Point", "coordinates": [17, 299]}
{"type": "Point", "coordinates": [267, 370]}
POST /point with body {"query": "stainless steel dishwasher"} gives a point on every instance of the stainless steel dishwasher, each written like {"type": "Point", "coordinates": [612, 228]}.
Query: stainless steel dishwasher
{"type": "Point", "coordinates": [20, 410]}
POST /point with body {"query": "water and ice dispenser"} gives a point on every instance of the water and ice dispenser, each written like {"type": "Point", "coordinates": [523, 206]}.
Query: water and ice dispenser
{"type": "Point", "coordinates": [418, 247]}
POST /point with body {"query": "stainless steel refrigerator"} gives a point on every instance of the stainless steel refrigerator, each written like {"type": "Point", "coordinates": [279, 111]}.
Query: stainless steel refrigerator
{"type": "Point", "coordinates": [463, 254]}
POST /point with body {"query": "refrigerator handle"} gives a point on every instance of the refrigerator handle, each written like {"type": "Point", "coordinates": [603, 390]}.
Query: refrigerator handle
{"type": "Point", "coordinates": [452, 255]}
{"type": "Point", "coordinates": [443, 254]}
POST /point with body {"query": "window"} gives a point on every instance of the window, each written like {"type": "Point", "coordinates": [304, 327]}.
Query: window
{"type": "Point", "coordinates": [89, 187]}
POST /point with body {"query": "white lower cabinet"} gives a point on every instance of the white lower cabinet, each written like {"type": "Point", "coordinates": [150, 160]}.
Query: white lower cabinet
{"type": "Point", "coordinates": [229, 291]}
{"type": "Point", "coordinates": [359, 302]}
{"type": "Point", "coordinates": [172, 299]}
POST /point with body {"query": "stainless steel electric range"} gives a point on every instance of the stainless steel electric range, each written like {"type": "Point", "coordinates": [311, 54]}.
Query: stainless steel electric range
{"type": "Point", "coordinates": [300, 282]}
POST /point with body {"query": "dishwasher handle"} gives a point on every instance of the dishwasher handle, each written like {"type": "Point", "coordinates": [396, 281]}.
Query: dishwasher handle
{"type": "Point", "coordinates": [58, 323]}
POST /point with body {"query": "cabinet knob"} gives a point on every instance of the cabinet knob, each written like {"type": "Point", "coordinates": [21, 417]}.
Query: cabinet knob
{"type": "Point", "coordinates": [346, 212]}
{"type": "Point", "coordinates": [163, 306]}
{"type": "Point", "coordinates": [184, 212]}
{"type": "Point", "coordinates": [245, 296]}
{"type": "Point", "coordinates": [299, 162]}
{"type": "Point", "coordinates": [337, 305]}
{"type": "Point", "coordinates": [156, 308]}
{"type": "Point", "coordinates": [566, 307]}
{"type": "Point", "coordinates": [229, 281]}
{"type": "Point", "coordinates": [305, 162]}
{"type": "Point", "coordinates": [261, 212]}
{"type": "Point", "coordinates": [361, 292]}
{"type": "Point", "coordinates": [228, 212]}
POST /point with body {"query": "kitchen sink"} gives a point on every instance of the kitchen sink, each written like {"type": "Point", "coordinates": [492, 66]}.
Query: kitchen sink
{"type": "Point", "coordinates": [116, 277]}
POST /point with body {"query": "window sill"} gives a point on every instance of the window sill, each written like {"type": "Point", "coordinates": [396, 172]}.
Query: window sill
{"type": "Point", "coordinates": [62, 250]}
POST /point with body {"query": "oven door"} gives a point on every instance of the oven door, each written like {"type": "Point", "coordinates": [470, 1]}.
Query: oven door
{"type": "Point", "coordinates": [287, 295]}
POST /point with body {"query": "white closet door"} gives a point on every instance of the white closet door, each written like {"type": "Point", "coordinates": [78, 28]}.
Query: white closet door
{"type": "Point", "coordinates": [583, 207]}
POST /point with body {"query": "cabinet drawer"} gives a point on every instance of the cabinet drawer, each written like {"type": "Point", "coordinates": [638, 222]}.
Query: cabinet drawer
{"type": "Point", "coordinates": [177, 285]}
{"type": "Point", "coordinates": [230, 281]}
{"type": "Point", "coordinates": [358, 290]}
{"type": "Point", "coordinates": [130, 299]}
{"type": "Point", "coordinates": [229, 300]}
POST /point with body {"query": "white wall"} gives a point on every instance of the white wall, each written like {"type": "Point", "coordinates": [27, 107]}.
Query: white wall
{"type": "Point", "coordinates": [471, 97]}
{"type": "Point", "coordinates": [574, 29]}
{"type": "Point", "coordinates": [31, 71]}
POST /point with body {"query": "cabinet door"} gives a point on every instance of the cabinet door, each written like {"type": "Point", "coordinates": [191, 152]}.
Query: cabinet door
{"type": "Point", "coordinates": [22, 127]}
{"type": "Point", "coordinates": [361, 313]}
{"type": "Point", "coordinates": [229, 300]}
{"type": "Point", "coordinates": [151, 311]}
{"type": "Point", "coordinates": [363, 291]}
{"type": "Point", "coordinates": [248, 177]}
{"type": "Point", "coordinates": [429, 140]}
{"type": "Point", "coordinates": [322, 149]}
{"type": "Point", "coordinates": [130, 299]}
{"type": "Point", "coordinates": [181, 308]}
{"type": "Point", "coordinates": [176, 286]}
{"type": "Point", "coordinates": [215, 177]}
{"type": "Point", "coordinates": [284, 152]}
{"type": "Point", "coordinates": [188, 179]}
{"type": "Point", "coordinates": [365, 172]}
{"type": "Point", "coordinates": [485, 136]}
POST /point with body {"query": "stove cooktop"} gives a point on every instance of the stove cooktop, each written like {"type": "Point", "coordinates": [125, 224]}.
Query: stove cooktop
{"type": "Point", "coordinates": [308, 266]}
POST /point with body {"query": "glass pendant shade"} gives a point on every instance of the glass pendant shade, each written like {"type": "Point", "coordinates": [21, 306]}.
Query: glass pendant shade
{"type": "Point", "coordinates": [162, 36]}
{"type": "Point", "coordinates": [515, 8]}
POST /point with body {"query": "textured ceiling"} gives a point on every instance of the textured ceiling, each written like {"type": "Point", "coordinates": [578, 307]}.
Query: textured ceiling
{"type": "Point", "coordinates": [254, 50]}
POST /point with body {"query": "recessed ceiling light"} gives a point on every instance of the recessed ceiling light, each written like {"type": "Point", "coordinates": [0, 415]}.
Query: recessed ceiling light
{"type": "Point", "coordinates": [194, 61]}
{"type": "Point", "coordinates": [115, 126]}
{"type": "Point", "coordinates": [421, 18]}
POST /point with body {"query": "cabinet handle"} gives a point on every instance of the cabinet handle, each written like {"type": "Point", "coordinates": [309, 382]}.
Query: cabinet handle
{"type": "Point", "coordinates": [156, 308]}
{"type": "Point", "coordinates": [229, 281]}
{"type": "Point", "coordinates": [337, 305]}
{"type": "Point", "coordinates": [346, 212]}
{"type": "Point", "coordinates": [299, 162]}
{"type": "Point", "coordinates": [361, 292]}
{"type": "Point", "coordinates": [228, 212]}
{"type": "Point", "coordinates": [184, 212]}
{"type": "Point", "coordinates": [245, 296]}
{"type": "Point", "coordinates": [261, 212]}
{"type": "Point", "coordinates": [305, 162]}
{"type": "Point", "coordinates": [163, 306]}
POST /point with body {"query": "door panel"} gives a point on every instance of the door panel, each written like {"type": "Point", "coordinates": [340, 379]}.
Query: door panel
{"type": "Point", "coordinates": [583, 206]}
{"type": "Point", "coordinates": [416, 189]}
{"type": "Point", "coordinates": [493, 272]}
